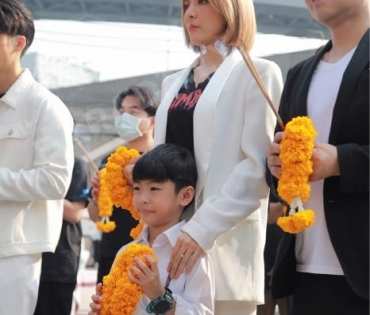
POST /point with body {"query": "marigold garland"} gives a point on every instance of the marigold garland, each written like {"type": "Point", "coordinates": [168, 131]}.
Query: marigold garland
{"type": "Point", "coordinates": [120, 192]}
{"type": "Point", "coordinates": [120, 295]}
{"type": "Point", "coordinates": [298, 221]}
{"type": "Point", "coordinates": [105, 205]}
{"type": "Point", "coordinates": [136, 230]}
{"type": "Point", "coordinates": [296, 166]}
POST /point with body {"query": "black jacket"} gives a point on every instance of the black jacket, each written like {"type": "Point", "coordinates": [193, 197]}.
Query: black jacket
{"type": "Point", "coordinates": [346, 197]}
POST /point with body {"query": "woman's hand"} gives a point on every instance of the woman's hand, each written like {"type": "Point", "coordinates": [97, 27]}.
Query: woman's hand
{"type": "Point", "coordinates": [185, 254]}
{"type": "Point", "coordinates": [273, 160]}
{"type": "Point", "coordinates": [147, 277]}
{"type": "Point", "coordinates": [96, 298]}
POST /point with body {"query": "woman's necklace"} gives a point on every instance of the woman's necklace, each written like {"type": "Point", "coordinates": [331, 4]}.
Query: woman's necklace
{"type": "Point", "coordinates": [202, 74]}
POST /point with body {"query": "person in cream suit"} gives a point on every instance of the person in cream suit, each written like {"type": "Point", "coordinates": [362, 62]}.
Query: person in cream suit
{"type": "Point", "coordinates": [216, 110]}
{"type": "Point", "coordinates": [36, 163]}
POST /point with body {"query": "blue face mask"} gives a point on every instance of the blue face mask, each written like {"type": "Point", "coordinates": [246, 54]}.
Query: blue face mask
{"type": "Point", "coordinates": [127, 126]}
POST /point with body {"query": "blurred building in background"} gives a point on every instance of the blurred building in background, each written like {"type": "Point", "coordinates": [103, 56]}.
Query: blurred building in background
{"type": "Point", "coordinates": [87, 57]}
{"type": "Point", "coordinates": [92, 108]}
{"type": "Point", "coordinates": [287, 17]}
{"type": "Point", "coordinates": [57, 72]}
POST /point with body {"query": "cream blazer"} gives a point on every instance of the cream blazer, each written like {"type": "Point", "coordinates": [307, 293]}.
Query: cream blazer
{"type": "Point", "coordinates": [36, 163]}
{"type": "Point", "coordinates": [233, 128]}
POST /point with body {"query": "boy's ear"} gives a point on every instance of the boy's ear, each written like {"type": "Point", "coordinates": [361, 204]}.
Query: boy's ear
{"type": "Point", "coordinates": [186, 195]}
{"type": "Point", "coordinates": [20, 42]}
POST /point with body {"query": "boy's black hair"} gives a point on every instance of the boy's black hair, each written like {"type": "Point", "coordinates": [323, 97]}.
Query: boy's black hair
{"type": "Point", "coordinates": [144, 95]}
{"type": "Point", "coordinates": [167, 162]}
{"type": "Point", "coordinates": [17, 19]}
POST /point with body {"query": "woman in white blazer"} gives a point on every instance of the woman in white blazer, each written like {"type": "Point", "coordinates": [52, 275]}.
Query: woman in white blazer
{"type": "Point", "coordinates": [217, 110]}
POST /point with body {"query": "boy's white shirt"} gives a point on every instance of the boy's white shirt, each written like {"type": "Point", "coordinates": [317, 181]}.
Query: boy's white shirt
{"type": "Point", "coordinates": [194, 292]}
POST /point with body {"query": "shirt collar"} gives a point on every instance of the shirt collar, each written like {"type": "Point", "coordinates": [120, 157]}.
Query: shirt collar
{"type": "Point", "coordinates": [13, 96]}
{"type": "Point", "coordinates": [171, 234]}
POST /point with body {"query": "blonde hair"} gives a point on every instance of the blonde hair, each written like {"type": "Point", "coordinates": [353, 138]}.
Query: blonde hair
{"type": "Point", "coordinates": [241, 27]}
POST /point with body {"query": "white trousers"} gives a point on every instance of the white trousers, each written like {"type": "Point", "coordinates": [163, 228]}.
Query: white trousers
{"type": "Point", "coordinates": [235, 308]}
{"type": "Point", "coordinates": [19, 284]}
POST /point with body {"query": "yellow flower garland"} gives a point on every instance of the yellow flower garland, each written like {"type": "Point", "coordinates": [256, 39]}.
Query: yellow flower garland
{"type": "Point", "coordinates": [136, 230]}
{"type": "Point", "coordinates": [120, 295]}
{"type": "Point", "coordinates": [296, 166]}
{"type": "Point", "coordinates": [120, 192]}
{"type": "Point", "coordinates": [104, 205]}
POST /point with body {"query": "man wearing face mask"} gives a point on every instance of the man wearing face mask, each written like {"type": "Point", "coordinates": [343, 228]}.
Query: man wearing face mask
{"type": "Point", "coordinates": [134, 122]}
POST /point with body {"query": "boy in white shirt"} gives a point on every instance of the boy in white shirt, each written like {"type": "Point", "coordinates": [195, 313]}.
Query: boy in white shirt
{"type": "Point", "coordinates": [164, 182]}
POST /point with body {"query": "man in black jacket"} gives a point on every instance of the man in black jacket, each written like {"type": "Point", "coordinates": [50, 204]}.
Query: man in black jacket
{"type": "Point", "coordinates": [326, 267]}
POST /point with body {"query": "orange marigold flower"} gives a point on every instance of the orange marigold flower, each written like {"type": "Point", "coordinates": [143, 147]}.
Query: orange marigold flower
{"type": "Point", "coordinates": [120, 295]}
{"type": "Point", "coordinates": [136, 230]}
{"type": "Point", "coordinates": [296, 166]}
{"type": "Point", "coordinates": [297, 222]}
{"type": "Point", "coordinates": [105, 205]}
{"type": "Point", "coordinates": [120, 191]}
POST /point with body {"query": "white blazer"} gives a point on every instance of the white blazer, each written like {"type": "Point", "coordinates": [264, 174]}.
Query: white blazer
{"type": "Point", "coordinates": [233, 128]}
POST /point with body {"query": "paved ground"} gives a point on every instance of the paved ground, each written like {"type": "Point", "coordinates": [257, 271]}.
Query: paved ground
{"type": "Point", "coordinates": [85, 288]}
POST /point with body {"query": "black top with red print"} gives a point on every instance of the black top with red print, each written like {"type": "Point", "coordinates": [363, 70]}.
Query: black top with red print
{"type": "Point", "coordinates": [180, 114]}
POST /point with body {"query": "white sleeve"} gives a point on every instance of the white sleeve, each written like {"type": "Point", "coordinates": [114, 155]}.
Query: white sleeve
{"type": "Point", "coordinates": [199, 294]}
{"type": "Point", "coordinates": [245, 189]}
{"type": "Point", "coordinates": [52, 156]}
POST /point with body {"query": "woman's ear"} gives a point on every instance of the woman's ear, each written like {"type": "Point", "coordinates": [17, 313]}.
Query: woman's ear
{"type": "Point", "coordinates": [186, 195]}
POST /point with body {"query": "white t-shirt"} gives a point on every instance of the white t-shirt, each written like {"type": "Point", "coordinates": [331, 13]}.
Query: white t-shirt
{"type": "Point", "coordinates": [194, 292]}
{"type": "Point", "coordinates": [314, 250]}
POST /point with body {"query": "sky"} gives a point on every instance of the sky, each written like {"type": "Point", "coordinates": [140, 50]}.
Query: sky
{"type": "Point", "coordinates": [119, 50]}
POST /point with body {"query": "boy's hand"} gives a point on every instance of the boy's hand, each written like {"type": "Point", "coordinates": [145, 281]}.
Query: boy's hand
{"type": "Point", "coordinates": [186, 253]}
{"type": "Point", "coordinates": [147, 277]}
{"type": "Point", "coordinates": [96, 300]}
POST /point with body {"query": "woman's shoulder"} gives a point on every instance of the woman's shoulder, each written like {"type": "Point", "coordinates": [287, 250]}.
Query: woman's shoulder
{"type": "Point", "coordinates": [266, 65]}
{"type": "Point", "coordinates": [266, 69]}
{"type": "Point", "coordinates": [173, 76]}
{"type": "Point", "coordinates": [170, 79]}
